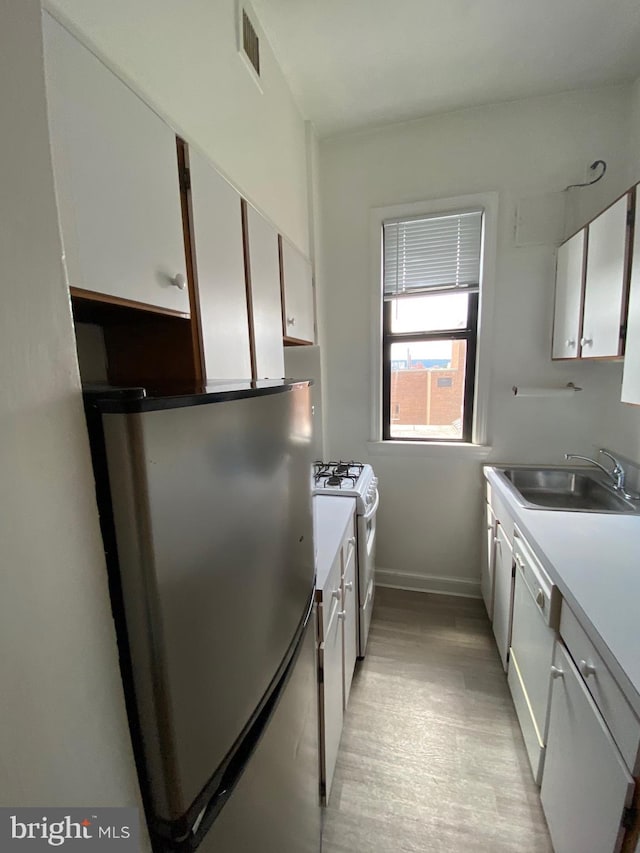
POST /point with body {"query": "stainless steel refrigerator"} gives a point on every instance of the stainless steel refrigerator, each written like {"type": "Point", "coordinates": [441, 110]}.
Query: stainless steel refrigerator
{"type": "Point", "coordinates": [205, 510]}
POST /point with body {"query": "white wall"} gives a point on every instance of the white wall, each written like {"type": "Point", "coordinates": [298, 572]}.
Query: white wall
{"type": "Point", "coordinates": [64, 738]}
{"type": "Point", "coordinates": [182, 59]}
{"type": "Point", "coordinates": [430, 516]}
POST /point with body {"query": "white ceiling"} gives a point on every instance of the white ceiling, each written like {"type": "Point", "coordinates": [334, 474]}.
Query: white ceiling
{"type": "Point", "coordinates": [353, 63]}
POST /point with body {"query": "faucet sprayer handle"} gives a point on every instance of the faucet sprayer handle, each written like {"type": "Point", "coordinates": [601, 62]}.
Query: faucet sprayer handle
{"type": "Point", "coordinates": [611, 457]}
{"type": "Point", "coordinates": [617, 473]}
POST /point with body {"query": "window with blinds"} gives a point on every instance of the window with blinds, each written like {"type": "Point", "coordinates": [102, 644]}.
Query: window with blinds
{"type": "Point", "coordinates": [431, 282]}
{"type": "Point", "coordinates": [432, 253]}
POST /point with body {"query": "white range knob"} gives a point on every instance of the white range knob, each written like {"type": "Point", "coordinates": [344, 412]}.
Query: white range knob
{"type": "Point", "coordinates": [179, 281]}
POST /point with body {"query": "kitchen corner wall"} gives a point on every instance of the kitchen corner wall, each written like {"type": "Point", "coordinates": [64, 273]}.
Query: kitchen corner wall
{"type": "Point", "coordinates": [64, 738]}
{"type": "Point", "coordinates": [182, 58]}
{"type": "Point", "coordinates": [430, 513]}
{"type": "Point", "coordinates": [619, 425]}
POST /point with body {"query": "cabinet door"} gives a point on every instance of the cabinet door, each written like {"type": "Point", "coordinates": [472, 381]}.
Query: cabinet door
{"type": "Point", "coordinates": [631, 374]}
{"type": "Point", "coordinates": [219, 261]}
{"type": "Point", "coordinates": [350, 618]}
{"type": "Point", "coordinates": [488, 563]}
{"type": "Point", "coordinates": [605, 282]}
{"type": "Point", "coordinates": [116, 177]}
{"type": "Point", "coordinates": [568, 298]}
{"type": "Point", "coordinates": [297, 279]}
{"type": "Point", "coordinates": [266, 311]}
{"type": "Point", "coordinates": [332, 684]}
{"type": "Point", "coordinates": [503, 594]}
{"type": "Point", "coordinates": [585, 786]}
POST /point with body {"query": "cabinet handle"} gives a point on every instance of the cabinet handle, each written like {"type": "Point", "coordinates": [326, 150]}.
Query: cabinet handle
{"type": "Point", "coordinates": [179, 281]}
{"type": "Point", "coordinates": [519, 561]}
{"type": "Point", "coordinates": [348, 586]}
{"type": "Point", "coordinates": [342, 615]}
{"type": "Point", "coordinates": [556, 672]}
{"type": "Point", "coordinates": [337, 594]}
{"type": "Point", "coordinates": [496, 539]}
{"type": "Point", "coordinates": [291, 321]}
{"type": "Point", "coordinates": [587, 668]}
{"type": "Point", "coordinates": [540, 599]}
{"type": "Point", "coordinates": [352, 540]}
{"type": "Point", "coordinates": [586, 342]}
{"type": "Point", "coordinates": [570, 342]}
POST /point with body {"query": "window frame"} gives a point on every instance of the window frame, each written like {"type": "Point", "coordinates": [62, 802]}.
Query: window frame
{"type": "Point", "coordinates": [478, 445]}
{"type": "Point", "coordinates": [469, 334]}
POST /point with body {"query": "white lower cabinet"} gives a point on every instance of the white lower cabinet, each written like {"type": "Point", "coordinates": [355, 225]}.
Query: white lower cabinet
{"type": "Point", "coordinates": [336, 596]}
{"type": "Point", "coordinates": [331, 686]}
{"type": "Point", "coordinates": [488, 563]}
{"type": "Point", "coordinates": [503, 593]}
{"type": "Point", "coordinates": [586, 785]}
{"type": "Point", "coordinates": [350, 608]}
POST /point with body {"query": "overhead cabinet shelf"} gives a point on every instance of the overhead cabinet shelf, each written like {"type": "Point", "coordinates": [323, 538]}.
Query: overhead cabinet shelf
{"type": "Point", "coordinates": [185, 279]}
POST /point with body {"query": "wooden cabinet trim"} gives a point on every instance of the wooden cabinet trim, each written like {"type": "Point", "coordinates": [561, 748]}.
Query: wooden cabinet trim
{"type": "Point", "coordinates": [189, 250]}
{"type": "Point", "coordinates": [283, 309]}
{"type": "Point", "coordinates": [107, 299]}
{"type": "Point", "coordinates": [628, 255]}
{"type": "Point", "coordinates": [247, 279]}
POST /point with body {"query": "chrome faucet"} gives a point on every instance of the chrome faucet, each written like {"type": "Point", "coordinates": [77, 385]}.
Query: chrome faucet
{"type": "Point", "coordinates": [617, 473]}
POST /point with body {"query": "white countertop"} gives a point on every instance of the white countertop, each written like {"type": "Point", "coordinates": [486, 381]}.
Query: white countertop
{"type": "Point", "coordinates": [595, 560]}
{"type": "Point", "coordinates": [331, 516]}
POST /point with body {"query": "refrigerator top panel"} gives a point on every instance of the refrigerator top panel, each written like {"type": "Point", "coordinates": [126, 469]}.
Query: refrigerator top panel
{"type": "Point", "coordinates": [213, 532]}
{"type": "Point", "coordinates": [152, 398]}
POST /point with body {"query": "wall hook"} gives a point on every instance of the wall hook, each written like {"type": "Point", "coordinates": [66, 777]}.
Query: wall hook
{"type": "Point", "coordinates": [593, 167]}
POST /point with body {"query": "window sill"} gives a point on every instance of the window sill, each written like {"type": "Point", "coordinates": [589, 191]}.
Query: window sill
{"type": "Point", "coordinates": [459, 450]}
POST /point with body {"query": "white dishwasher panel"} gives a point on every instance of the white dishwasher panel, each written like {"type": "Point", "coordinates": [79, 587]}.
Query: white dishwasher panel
{"type": "Point", "coordinates": [532, 643]}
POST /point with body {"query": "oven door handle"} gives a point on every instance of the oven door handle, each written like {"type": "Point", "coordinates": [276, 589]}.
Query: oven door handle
{"type": "Point", "coordinates": [369, 513]}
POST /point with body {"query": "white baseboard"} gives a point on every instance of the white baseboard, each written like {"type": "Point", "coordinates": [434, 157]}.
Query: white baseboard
{"type": "Point", "coordinates": [428, 583]}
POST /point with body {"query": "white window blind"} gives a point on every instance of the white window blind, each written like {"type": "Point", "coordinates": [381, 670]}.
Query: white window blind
{"type": "Point", "coordinates": [432, 253]}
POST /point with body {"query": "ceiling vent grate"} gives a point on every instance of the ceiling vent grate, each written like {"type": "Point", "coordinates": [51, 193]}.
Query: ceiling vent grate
{"type": "Point", "coordinates": [250, 42]}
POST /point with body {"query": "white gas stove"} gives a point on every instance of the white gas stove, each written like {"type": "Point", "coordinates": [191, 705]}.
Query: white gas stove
{"type": "Point", "coordinates": [353, 479]}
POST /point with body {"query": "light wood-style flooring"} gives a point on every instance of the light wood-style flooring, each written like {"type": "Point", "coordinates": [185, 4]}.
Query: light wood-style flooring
{"type": "Point", "coordinates": [431, 757]}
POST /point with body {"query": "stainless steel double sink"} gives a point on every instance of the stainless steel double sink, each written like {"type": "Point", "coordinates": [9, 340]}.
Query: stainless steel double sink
{"type": "Point", "coordinates": [566, 489]}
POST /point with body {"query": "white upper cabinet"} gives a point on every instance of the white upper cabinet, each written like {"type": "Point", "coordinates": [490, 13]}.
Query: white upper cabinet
{"type": "Point", "coordinates": [297, 278]}
{"type": "Point", "coordinates": [605, 283]}
{"type": "Point", "coordinates": [219, 262]}
{"type": "Point", "coordinates": [631, 375]}
{"type": "Point", "coordinates": [116, 179]}
{"type": "Point", "coordinates": [264, 277]}
{"type": "Point", "coordinates": [568, 299]}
